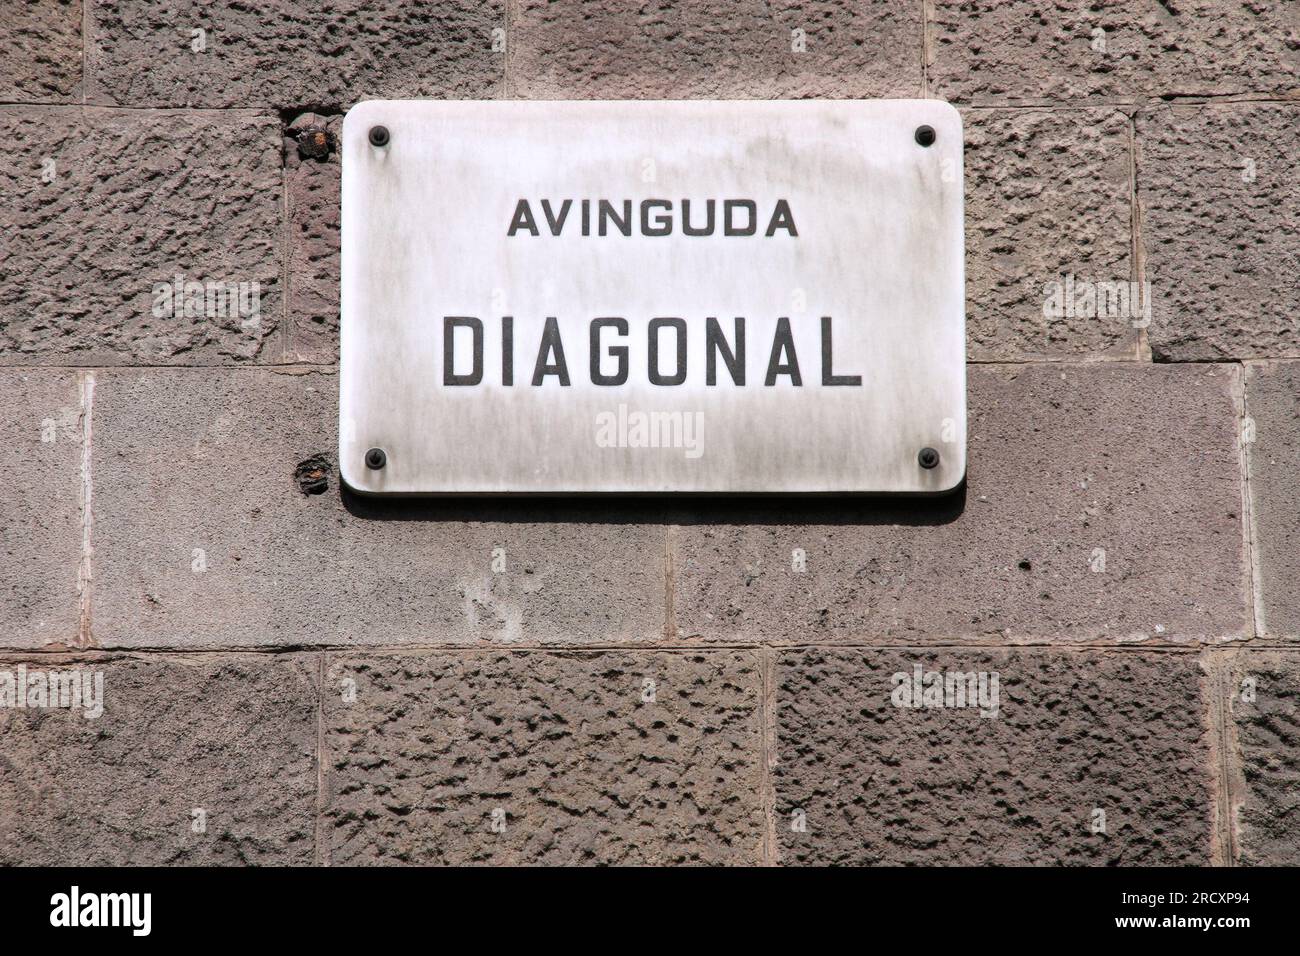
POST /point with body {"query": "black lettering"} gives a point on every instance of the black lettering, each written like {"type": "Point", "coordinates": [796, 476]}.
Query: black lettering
{"type": "Point", "coordinates": [551, 344]}
{"type": "Point", "coordinates": [450, 323]}
{"type": "Point", "coordinates": [783, 342]}
{"type": "Point", "coordinates": [828, 376]}
{"type": "Point", "coordinates": [618, 351]}
{"type": "Point", "coordinates": [607, 213]}
{"type": "Point", "coordinates": [679, 375]}
{"type": "Point", "coordinates": [507, 350]}
{"type": "Point", "coordinates": [523, 219]}
{"type": "Point", "coordinates": [782, 218]}
{"type": "Point", "coordinates": [556, 224]}
{"type": "Point", "coordinates": [715, 342]}
{"type": "Point", "coordinates": [729, 228]}
{"type": "Point", "coordinates": [663, 224]}
{"type": "Point", "coordinates": [690, 230]}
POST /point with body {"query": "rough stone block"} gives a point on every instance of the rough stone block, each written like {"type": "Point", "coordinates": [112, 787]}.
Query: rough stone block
{"type": "Point", "coordinates": [232, 737]}
{"type": "Point", "coordinates": [1103, 502]}
{"type": "Point", "coordinates": [1273, 407]}
{"type": "Point", "coordinates": [602, 49]}
{"type": "Point", "coordinates": [292, 53]}
{"type": "Point", "coordinates": [40, 51]}
{"type": "Point", "coordinates": [861, 780]}
{"type": "Point", "coordinates": [1221, 227]}
{"type": "Point", "coordinates": [204, 537]}
{"type": "Point", "coordinates": [102, 206]}
{"type": "Point", "coordinates": [1265, 709]}
{"type": "Point", "coordinates": [1007, 50]}
{"type": "Point", "coordinates": [314, 189]}
{"type": "Point", "coordinates": [1047, 198]}
{"type": "Point", "coordinates": [542, 758]}
{"type": "Point", "coordinates": [40, 507]}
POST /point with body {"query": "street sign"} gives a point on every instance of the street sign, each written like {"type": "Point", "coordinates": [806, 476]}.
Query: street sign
{"type": "Point", "coordinates": [652, 297]}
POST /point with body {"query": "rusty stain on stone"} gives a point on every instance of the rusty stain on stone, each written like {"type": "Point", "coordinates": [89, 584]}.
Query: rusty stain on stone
{"type": "Point", "coordinates": [313, 475]}
{"type": "Point", "coordinates": [315, 142]}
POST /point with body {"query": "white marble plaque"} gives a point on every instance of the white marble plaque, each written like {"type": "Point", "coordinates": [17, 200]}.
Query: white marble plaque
{"type": "Point", "coordinates": [652, 297]}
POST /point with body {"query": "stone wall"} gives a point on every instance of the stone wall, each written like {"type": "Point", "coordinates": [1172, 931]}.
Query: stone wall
{"type": "Point", "coordinates": [295, 675]}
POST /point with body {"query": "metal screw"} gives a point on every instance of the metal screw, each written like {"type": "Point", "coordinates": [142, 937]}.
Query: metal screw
{"type": "Point", "coordinates": [379, 136]}
{"type": "Point", "coordinates": [376, 459]}
{"type": "Point", "coordinates": [925, 135]}
{"type": "Point", "coordinates": [928, 458]}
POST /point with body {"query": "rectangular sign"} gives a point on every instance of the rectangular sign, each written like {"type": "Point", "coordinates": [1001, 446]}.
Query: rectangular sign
{"type": "Point", "coordinates": [639, 297]}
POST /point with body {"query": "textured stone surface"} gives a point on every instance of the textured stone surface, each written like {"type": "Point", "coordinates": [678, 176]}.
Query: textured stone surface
{"type": "Point", "coordinates": [669, 49]}
{"type": "Point", "coordinates": [1047, 195]}
{"type": "Point", "coordinates": [564, 749]}
{"type": "Point", "coordinates": [292, 53]}
{"type": "Point", "coordinates": [1268, 739]}
{"type": "Point", "coordinates": [314, 189]}
{"type": "Point", "coordinates": [1221, 227]}
{"type": "Point", "coordinates": [1075, 732]}
{"type": "Point", "coordinates": [499, 650]}
{"type": "Point", "coordinates": [233, 736]}
{"type": "Point", "coordinates": [133, 199]}
{"type": "Point", "coordinates": [40, 507]}
{"type": "Point", "coordinates": [1273, 405]}
{"type": "Point", "coordinates": [1004, 50]}
{"type": "Point", "coordinates": [40, 51]}
{"type": "Point", "coordinates": [1063, 461]}
{"type": "Point", "coordinates": [190, 460]}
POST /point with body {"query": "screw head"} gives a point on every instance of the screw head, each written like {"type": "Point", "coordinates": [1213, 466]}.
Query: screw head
{"type": "Point", "coordinates": [927, 458]}
{"type": "Point", "coordinates": [379, 136]}
{"type": "Point", "coordinates": [925, 135]}
{"type": "Point", "coordinates": [376, 459]}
